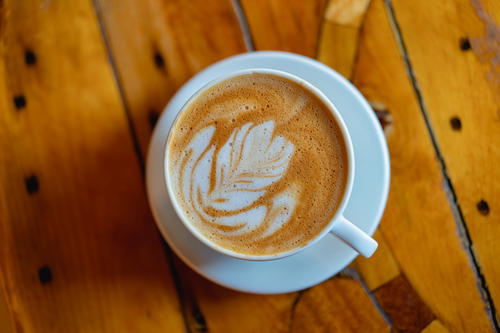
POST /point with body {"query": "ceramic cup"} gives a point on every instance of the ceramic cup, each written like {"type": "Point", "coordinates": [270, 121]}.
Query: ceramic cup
{"type": "Point", "coordinates": [339, 225]}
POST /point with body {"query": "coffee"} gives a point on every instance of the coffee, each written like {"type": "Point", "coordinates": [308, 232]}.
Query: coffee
{"type": "Point", "coordinates": [258, 164]}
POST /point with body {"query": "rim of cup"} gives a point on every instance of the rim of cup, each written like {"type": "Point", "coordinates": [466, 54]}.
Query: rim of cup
{"type": "Point", "coordinates": [350, 164]}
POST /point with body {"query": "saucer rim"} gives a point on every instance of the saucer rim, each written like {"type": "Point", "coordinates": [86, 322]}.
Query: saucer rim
{"type": "Point", "coordinates": [336, 76]}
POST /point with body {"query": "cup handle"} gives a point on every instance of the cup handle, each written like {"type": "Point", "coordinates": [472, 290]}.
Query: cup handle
{"type": "Point", "coordinates": [354, 237]}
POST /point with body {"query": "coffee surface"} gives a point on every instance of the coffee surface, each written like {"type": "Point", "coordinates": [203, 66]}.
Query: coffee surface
{"type": "Point", "coordinates": [258, 164]}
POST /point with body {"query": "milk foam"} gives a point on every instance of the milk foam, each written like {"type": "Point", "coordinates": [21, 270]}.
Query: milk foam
{"type": "Point", "coordinates": [250, 161]}
{"type": "Point", "coordinates": [240, 164]}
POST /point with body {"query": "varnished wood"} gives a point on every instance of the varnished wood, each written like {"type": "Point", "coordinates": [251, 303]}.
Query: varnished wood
{"type": "Point", "coordinates": [467, 88]}
{"type": "Point", "coordinates": [157, 45]}
{"type": "Point", "coordinates": [340, 34]}
{"type": "Point", "coordinates": [337, 306]}
{"type": "Point", "coordinates": [82, 86]}
{"type": "Point", "coordinates": [249, 313]}
{"type": "Point", "coordinates": [78, 248]}
{"type": "Point", "coordinates": [435, 327]}
{"type": "Point", "coordinates": [285, 25]}
{"type": "Point", "coordinates": [5, 315]}
{"type": "Point", "coordinates": [418, 225]}
{"type": "Point", "coordinates": [381, 267]}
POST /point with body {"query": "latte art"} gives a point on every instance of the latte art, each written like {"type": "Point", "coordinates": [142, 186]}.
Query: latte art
{"type": "Point", "coordinates": [257, 164]}
{"type": "Point", "coordinates": [245, 166]}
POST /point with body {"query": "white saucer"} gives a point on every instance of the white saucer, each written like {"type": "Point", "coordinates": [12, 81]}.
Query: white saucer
{"type": "Point", "coordinates": [328, 256]}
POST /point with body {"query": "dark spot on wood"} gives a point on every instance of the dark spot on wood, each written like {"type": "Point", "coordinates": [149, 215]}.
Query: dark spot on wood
{"type": "Point", "coordinates": [32, 185]}
{"type": "Point", "coordinates": [483, 207]}
{"type": "Point", "coordinates": [383, 115]}
{"type": "Point", "coordinates": [45, 274]}
{"type": "Point", "coordinates": [29, 57]}
{"type": "Point", "coordinates": [406, 310]}
{"type": "Point", "coordinates": [153, 118]}
{"type": "Point", "coordinates": [465, 44]}
{"type": "Point", "coordinates": [19, 102]}
{"type": "Point", "coordinates": [201, 324]}
{"type": "Point", "coordinates": [456, 123]}
{"type": "Point", "coordinates": [158, 59]}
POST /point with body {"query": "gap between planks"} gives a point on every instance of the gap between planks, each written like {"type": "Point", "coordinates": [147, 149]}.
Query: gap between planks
{"type": "Point", "coordinates": [181, 293]}
{"type": "Point", "coordinates": [245, 29]}
{"type": "Point", "coordinates": [462, 228]}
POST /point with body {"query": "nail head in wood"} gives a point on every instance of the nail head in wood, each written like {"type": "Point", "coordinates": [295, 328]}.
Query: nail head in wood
{"type": "Point", "coordinates": [483, 207]}
{"type": "Point", "coordinates": [465, 44]}
{"type": "Point", "coordinates": [158, 59]}
{"type": "Point", "coordinates": [19, 102]}
{"type": "Point", "coordinates": [456, 123]}
{"type": "Point", "coordinates": [32, 185]}
{"type": "Point", "coordinates": [45, 274]}
{"type": "Point", "coordinates": [29, 57]}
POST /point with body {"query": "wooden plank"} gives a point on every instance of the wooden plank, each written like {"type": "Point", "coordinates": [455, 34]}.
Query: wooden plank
{"type": "Point", "coordinates": [225, 310]}
{"type": "Point", "coordinates": [435, 327]}
{"type": "Point", "coordinates": [338, 305]}
{"type": "Point", "coordinates": [418, 225]}
{"type": "Point", "coordinates": [380, 268]}
{"type": "Point", "coordinates": [5, 316]}
{"type": "Point", "coordinates": [187, 36]}
{"type": "Point", "coordinates": [78, 247]}
{"type": "Point", "coordinates": [158, 45]}
{"type": "Point", "coordinates": [285, 25]}
{"type": "Point", "coordinates": [460, 87]}
{"type": "Point", "coordinates": [406, 310]}
{"type": "Point", "coordinates": [340, 34]}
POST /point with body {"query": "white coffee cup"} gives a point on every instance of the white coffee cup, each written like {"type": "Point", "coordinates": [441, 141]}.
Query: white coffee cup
{"type": "Point", "coordinates": [339, 225]}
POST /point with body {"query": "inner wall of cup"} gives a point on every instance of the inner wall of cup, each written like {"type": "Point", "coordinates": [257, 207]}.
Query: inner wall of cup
{"type": "Point", "coordinates": [350, 161]}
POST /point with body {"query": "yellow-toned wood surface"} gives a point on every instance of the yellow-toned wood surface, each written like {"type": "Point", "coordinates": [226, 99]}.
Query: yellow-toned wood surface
{"type": "Point", "coordinates": [337, 306]}
{"type": "Point", "coordinates": [418, 225]}
{"type": "Point", "coordinates": [158, 45]}
{"type": "Point", "coordinates": [460, 84]}
{"type": "Point", "coordinates": [83, 85]}
{"type": "Point", "coordinates": [78, 248]}
{"type": "Point", "coordinates": [340, 34]}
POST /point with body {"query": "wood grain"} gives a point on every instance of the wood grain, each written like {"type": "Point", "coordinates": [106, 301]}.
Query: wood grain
{"type": "Point", "coordinates": [158, 45]}
{"type": "Point", "coordinates": [78, 247]}
{"type": "Point", "coordinates": [5, 315]}
{"type": "Point", "coordinates": [406, 310]}
{"type": "Point", "coordinates": [467, 88]}
{"type": "Point", "coordinates": [229, 311]}
{"type": "Point", "coordinates": [340, 34]}
{"type": "Point", "coordinates": [285, 25]}
{"type": "Point", "coordinates": [338, 305]}
{"type": "Point", "coordinates": [418, 224]}
{"type": "Point", "coordinates": [435, 327]}
{"type": "Point", "coordinates": [380, 268]}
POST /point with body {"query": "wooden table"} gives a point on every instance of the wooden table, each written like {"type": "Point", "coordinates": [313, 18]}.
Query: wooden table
{"type": "Point", "coordinates": [83, 83]}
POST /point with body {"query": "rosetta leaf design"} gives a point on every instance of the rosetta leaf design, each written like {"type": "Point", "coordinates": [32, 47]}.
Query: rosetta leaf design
{"type": "Point", "coordinates": [247, 163]}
